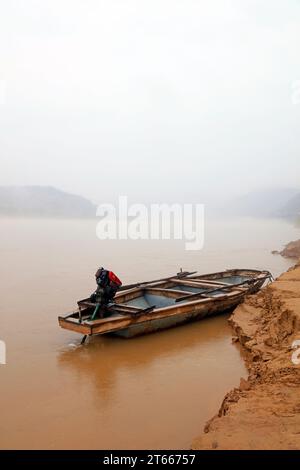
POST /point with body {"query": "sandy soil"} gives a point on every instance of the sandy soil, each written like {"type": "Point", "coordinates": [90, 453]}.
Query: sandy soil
{"type": "Point", "coordinates": [264, 411]}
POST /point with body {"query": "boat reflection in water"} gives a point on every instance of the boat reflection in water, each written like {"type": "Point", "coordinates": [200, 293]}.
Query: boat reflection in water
{"type": "Point", "coordinates": [142, 393]}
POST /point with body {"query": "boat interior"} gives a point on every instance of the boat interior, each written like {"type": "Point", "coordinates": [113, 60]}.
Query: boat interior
{"type": "Point", "coordinates": [168, 293]}
{"type": "Point", "coordinates": [146, 297]}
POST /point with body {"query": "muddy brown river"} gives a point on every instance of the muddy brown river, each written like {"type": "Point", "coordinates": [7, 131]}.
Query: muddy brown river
{"type": "Point", "coordinates": [155, 391]}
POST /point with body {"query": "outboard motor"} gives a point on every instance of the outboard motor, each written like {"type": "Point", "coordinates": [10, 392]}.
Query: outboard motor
{"type": "Point", "coordinates": [107, 286]}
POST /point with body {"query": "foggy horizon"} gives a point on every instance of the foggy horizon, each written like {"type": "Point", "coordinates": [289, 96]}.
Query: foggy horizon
{"type": "Point", "coordinates": [162, 101]}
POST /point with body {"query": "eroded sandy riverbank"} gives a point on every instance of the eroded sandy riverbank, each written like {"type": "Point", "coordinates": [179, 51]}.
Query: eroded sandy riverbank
{"type": "Point", "coordinates": [264, 411]}
{"type": "Point", "coordinates": [292, 250]}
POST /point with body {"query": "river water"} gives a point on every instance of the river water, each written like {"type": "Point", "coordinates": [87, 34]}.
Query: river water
{"type": "Point", "coordinates": [155, 391]}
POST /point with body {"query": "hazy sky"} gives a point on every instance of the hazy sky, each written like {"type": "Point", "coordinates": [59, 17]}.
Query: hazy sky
{"type": "Point", "coordinates": [156, 99]}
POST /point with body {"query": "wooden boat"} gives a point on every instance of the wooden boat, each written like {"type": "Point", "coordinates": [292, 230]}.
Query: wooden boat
{"type": "Point", "coordinates": [164, 303]}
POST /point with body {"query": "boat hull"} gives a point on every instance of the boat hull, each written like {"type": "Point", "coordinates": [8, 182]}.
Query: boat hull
{"type": "Point", "coordinates": [153, 326]}
{"type": "Point", "coordinates": [176, 302]}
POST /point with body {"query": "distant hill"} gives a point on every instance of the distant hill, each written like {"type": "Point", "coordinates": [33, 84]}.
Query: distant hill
{"type": "Point", "coordinates": [292, 208]}
{"type": "Point", "coordinates": [43, 201]}
{"type": "Point", "coordinates": [266, 203]}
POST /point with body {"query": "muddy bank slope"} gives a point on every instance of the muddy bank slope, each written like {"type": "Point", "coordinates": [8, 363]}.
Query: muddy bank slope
{"type": "Point", "coordinates": [264, 412]}
{"type": "Point", "coordinates": [291, 250]}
